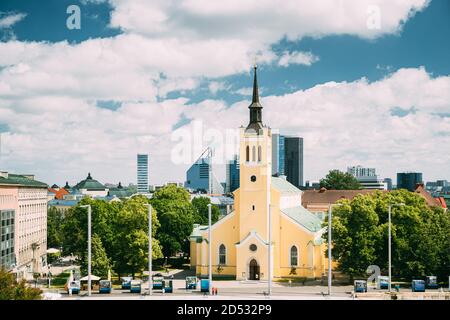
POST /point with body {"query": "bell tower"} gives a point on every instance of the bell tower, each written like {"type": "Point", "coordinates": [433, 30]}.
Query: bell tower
{"type": "Point", "coordinates": [255, 170]}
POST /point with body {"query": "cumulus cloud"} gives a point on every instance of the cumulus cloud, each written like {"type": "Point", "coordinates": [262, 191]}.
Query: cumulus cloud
{"type": "Point", "coordinates": [49, 91]}
{"type": "Point", "coordinates": [296, 57]}
{"type": "Point", "coordinates": [7, 20]}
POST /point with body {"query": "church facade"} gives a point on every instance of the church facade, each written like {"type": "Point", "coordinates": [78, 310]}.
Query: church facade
{"type": "Point", "coordinates": [267, 210]}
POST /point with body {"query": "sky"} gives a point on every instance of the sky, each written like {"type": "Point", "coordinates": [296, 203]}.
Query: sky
{"type": "Point", "coordinates": [364, 82]}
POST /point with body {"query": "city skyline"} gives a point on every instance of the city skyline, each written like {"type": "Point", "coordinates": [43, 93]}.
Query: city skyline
{"type": "Point", "coordinates": [330, 81]}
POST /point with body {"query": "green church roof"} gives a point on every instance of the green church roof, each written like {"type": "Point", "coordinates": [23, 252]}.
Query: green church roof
{"type": "Point", "coordinates": [283, 185]}
{"type": "Point", "coordinates": [21, 180]}
{"type": "Point", "coordinates": [303, 217]}
{"type": "Point", "coordinates": [89, 184]}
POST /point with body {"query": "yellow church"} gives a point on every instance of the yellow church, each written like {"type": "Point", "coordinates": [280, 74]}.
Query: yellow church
{"type": "Point", "coordinates": [267, 209]}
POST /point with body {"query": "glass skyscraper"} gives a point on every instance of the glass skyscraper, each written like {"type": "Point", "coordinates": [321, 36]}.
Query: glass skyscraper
{"type": "Point", "coordinates": [142, 173]}
{"type": "Point", "coordinates": [293, 161]}
{"type": "Point", "coordinates": [232, 172]}
{"type": "Point", "coordinates": [409, 180]}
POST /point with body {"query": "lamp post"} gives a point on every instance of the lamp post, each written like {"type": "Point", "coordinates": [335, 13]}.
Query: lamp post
{"type": "Point", "coordinates": [389, 241]}
{"type": "Point", "coordinates": [150, 243]}
{"type": "Point", "coordinates": [209, 250]}
{"type": "Point", "coordinates": [88, 206]}
{"type": "Point", "coordinates": [330, 209]}
{"type": "Point", "coordinates": [269, 253]}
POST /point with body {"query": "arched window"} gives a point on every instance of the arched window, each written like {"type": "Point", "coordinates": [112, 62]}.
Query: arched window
{"type": "Point", "coordinates": [259, 153]}
{"type": "Point", "coordinates": [253, 153]}
{"type": "Point", "coordinates": [294, 256]}
{"type": "Point", "coordinates": [247, 154]}
{"type": "Point", "coordinates": [222, 254]}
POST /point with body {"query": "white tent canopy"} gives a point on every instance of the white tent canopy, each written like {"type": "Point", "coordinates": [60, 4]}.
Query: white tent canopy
{"type": "Point", "coordinates": [52, 250]}
{"type": "Point", "coordinates": [94, 278]}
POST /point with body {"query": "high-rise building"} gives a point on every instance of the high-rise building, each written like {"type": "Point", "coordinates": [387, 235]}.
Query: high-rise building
{"type": "Point", "coordinates": [388, 182]}
{"type": "Point", "coordinates": [197, 178]}
{"type": "Point", "coordinates": [23, 232]}
{"type": "Point", "coordinates": [142, 173]}
{"type": "Point", "coordinates": [293, 161]}
{"type": "Point", "coordinates": [367, 177]}
{"type": "Point", "coordinates": [278, 154]}
{"type": "Point", "coordinates": [408, 180]}
{"type": "Point", "coordinates": [232, 173]}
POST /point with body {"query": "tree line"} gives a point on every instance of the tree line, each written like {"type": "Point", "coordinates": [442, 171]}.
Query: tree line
{"type": "Point", "coordinates": [120, 229]}
{"type": "Point", "coordinates": [420, 235]}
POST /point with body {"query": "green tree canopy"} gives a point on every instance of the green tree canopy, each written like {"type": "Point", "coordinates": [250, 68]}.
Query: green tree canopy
{"type": "Point", "coordinates": [200, 205]}
{"type": "Point", "coordinates": [10, 289]}
{"type": "Point", "coordinates": [420, 241]}
{"type": "Point", "coordinates": [100, 261]}
{"type": "Point", "coordinates": [338, 180]}
{"type": "Point", "coordinates": [176, 216]}
{"type": "Point", "coordinates": [55, 220]}
{"type": "Point", "coordinates": [131, 241]}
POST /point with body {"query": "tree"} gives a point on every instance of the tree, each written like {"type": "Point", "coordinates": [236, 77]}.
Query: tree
{"type": "Point", "coordinates": [338, 180]}
{"type": "Point", "coordinates": [55, 220]}
{"type": "Point", "coordinates": [131, 241]}
{"type": "Point", "coordinates": [74, 228]}
{"type": "Point", "coordinates": [175, 214]}
{"type": "Point", "coordinates": [420, 242]}
{"type": "Point", "coordinates": [100, 261]}
{"type": "Point", "coordinates": [200, 205]}
{"type": "Point", "coordinates": [10, 289]}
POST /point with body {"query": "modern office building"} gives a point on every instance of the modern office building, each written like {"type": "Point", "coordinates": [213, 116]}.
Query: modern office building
{"type": "Point", "coordinates": [142, 173]}
{"type": "Point", "coordinates": [388, 182]}
{"type": "Point", "coordinates": [409, 180]}
{"type": "Point", "coordinates": [23, 214]}
{"type": "Point", "coordinates": [197, 178]}
{"type": "Point", "coordinates": [293, 161]}
{"type": "Point", "coordinates": [367, 177]}
{"type": "Point", "coordinates": [232, 175]}
{"type": "Point", "coordinates": [278, 154]}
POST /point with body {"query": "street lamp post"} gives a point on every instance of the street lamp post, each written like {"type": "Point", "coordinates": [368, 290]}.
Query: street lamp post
{"type": "Point", "coordinates": [330, 209]}
{"type": "Point", "coordinates": [150, 243]}
{"type": "Point", "coordinates": [389, 241]}
{"type": "Point", "coordinates": [88, 206]}
{"type": "Point", "coordinates": [209, 250]}
{"type": "Point", "coordinates": [269, 253]}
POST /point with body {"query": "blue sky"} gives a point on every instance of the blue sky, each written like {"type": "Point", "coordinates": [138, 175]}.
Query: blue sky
{"type": "Point", "coordinates": [347, 54]}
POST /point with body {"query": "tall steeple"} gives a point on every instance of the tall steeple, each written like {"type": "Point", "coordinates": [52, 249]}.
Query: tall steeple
{"type": "Point", "coordinates": [255, 107]}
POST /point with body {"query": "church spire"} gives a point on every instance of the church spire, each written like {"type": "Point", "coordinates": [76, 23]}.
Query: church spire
{"type": "Point", "coordinates": [255, 107]}
{"type": "Point", "coordinates": [255, 98]}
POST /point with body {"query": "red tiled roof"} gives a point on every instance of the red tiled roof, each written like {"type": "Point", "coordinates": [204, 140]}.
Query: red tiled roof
{"type": "Point", "coordinates": [433, 202]}
{"type": "Point", "coordinates": [324, 196]}
{"type": "Point", "coordinates": [59, 194]}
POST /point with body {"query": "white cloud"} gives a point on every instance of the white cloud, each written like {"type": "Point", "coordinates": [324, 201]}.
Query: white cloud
{"type": "Point", "coordinates": [48, 91]}
{"type": "Point", "coordinates": [216, 86]}
{"type": "Point", "coordinates": [264, 21]}
{"type": "Point", "coordinates": [296, 57]}
{"type": "Point", "coordinates": [8, 20]}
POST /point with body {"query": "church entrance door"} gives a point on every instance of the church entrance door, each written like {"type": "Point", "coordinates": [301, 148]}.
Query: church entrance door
{"type": "Point", "coordinates": [254, 270]}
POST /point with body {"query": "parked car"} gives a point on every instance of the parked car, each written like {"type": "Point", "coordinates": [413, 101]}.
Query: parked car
{"type": "Point", "coordinates": [74, 286]}
{"type": "Point", "coordinates": [168, 286]}
{"type": "Point", "coordinates": [418, 286]}
{"type": "Point", "coordinates": [135, 286]}
{"type": "Point", "coordinates": [126, 282]}
{"type": "Point", "coordinates": [431, 282]}
{"type": "Point", "coordinates": [158, 282]}
{"type": "Point", "coordinates": [360, 286]}
{"type": "Point", "coordinates": [383, 282]}
{"type": "Point", "coordinates": [191, 283]}
{"type": "Point", "coordinates": [105, 286]}
{"type": "Point", "coordinates": [204, 285]}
